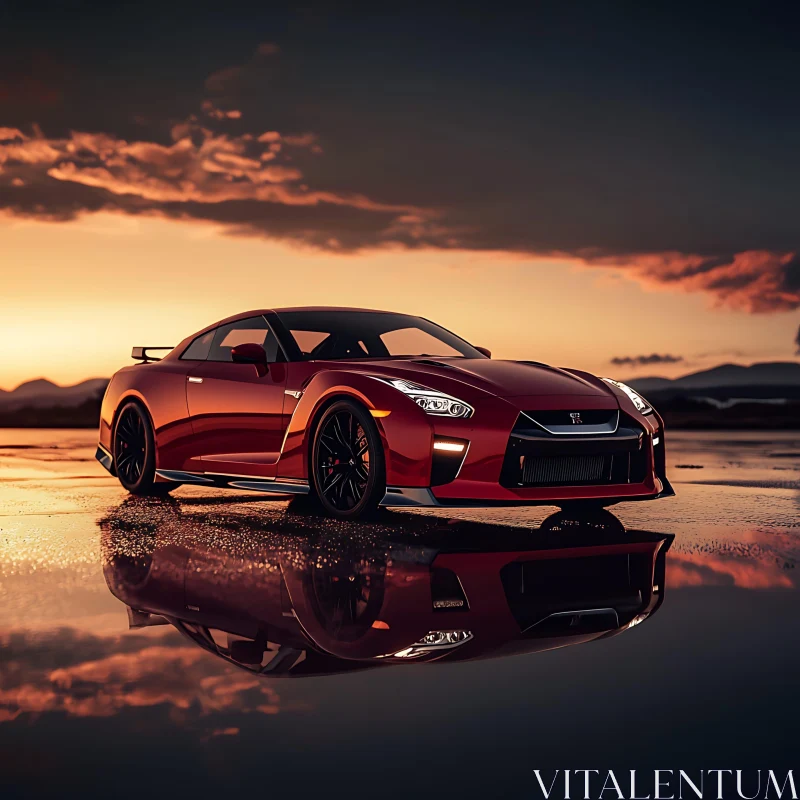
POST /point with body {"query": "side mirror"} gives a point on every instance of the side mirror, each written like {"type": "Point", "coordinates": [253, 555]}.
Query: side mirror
{"type": "Point", "coordinates": [251, 353]}
{"type": "Point", "coordinates": [487, 353]}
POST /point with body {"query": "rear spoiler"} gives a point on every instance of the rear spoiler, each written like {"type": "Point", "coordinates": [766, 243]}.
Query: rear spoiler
{"type": "Point", "coordinates": [143, 354]}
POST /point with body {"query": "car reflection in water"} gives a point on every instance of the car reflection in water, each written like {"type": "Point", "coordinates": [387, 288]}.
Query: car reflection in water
{"type": "Point", "coordinates": [298, 595]}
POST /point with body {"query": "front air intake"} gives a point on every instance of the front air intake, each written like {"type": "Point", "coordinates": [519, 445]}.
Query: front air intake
{"type": "Point", "coordinates": [447, 593]}
{"type": "Point", "coordinates": [564, 470]}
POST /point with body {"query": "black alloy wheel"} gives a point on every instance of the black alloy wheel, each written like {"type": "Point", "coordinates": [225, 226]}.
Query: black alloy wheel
{"type": "Point", "coordinates": [134, 452]}
{"type": "Point", "coordinates": [347, 602]}
{"type": "Point", "coordinates": [347, 461]}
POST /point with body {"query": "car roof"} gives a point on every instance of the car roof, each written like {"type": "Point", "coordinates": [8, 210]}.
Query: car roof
{"type": "Point", "coordinates": [336, 308]}
{"type": "Point", "coordinates": [259, 311]}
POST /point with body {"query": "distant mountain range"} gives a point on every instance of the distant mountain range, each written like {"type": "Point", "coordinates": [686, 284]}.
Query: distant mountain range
{"type": "Point", "coordinates": [762, 396]}
{"type": "Point", "coordinates": [728, 376]}
{"type": "Point", "coordinates": [44, 404]}
{"type": "Point", "coordinates": [42, 393]}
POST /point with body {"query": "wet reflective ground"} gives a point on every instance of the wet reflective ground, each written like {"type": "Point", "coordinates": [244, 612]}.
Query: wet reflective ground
{"type": "Point", "coordinates": [219, 642]}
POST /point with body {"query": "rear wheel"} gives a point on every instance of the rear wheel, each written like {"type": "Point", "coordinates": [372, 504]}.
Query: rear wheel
{"type": "Point", "coordinates": [135, 452]}
{"type": "Point", "coordinates": [348, 469]}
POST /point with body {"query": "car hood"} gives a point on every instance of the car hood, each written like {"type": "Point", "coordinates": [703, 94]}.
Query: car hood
{"type": "Point", "coordinates": [501, 378]}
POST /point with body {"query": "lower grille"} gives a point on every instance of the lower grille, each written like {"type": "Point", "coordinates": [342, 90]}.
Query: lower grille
{"type": "Point", "coordinates": [536, 458]}
{"type": "Point", "coordinates": [538, 590]}
{"type": "Point", "coordinates": [565, 470]}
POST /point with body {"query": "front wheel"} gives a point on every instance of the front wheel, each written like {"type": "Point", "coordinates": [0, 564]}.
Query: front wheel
{"type": "Point", "coordinates": [585, 506]}
{"type": "Point", "coordinates": [135, 452]}
{"type": "Point", "coordinates": [348, 470]}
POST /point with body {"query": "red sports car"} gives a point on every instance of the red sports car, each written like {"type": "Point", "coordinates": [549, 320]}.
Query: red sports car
{"type": "Point", "coordinates": [369, 408]}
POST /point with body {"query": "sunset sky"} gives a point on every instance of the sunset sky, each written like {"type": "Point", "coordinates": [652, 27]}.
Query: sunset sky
{"type": "Point", "coordinates": [616, 191]}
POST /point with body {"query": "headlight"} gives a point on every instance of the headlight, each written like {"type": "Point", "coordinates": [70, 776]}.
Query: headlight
{"type": "Point", "coordinates": [638, 619]}
{"type": "Point", "coordinates": [642, 406]}
{"type": "Point", "coordinates": [434, 642]}
{"type": "Point", "coordinates": [431, 401]}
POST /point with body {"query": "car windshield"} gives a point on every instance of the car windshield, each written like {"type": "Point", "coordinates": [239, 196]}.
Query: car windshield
{"type": "Point", "coordinates": [330, 335]}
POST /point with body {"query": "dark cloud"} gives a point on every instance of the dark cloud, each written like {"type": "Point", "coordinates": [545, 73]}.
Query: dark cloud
{"type": "Point", "coordinates": [246, 182]}
{"type": "Point", "coordinates": [791, 275]}
{"type": "Point", "coordinates": [589, 136]}
{"type": "Point", "coordinates": [641, 361]}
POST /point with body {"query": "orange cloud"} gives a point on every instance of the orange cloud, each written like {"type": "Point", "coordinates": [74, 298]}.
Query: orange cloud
{"type": "Point", "coordinates": [181, 677]}
{"type": "Point", "coordinates": [701, 569]}
{"type": "Point", "coordinates": [200, 166]}
{"type": "Point", "coordinates": [756, 281]}
{"type": "Point", "coordinates": [218, 113]}
{"type": "Point", "coordinates": [10, 133]}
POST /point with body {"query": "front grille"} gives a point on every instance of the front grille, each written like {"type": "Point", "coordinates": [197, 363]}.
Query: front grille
{"type": "Point", "coordinates": [564, 470]}
{"type": "Point", "coordinates": [569, 423]}
{"type": "Point", "coordinates": [537, 457]}
{"type": "Point", "coordinates": [574, 417]}
{"type": "Point", "coordinates": [538, 590]}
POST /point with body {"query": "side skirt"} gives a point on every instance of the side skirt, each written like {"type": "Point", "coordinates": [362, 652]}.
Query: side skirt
{"type": "Point", "coordinates": [266, 485]}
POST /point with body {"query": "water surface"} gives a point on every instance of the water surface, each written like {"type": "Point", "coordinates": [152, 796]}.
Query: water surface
{"type": "Point", "coordinates": [106, 689]}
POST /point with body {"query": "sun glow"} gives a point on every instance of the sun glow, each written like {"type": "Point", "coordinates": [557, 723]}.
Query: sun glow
{"type": "Point", "coordinates": [77, 296]}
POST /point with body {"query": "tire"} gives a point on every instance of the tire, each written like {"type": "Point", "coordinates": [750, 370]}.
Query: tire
{"type": "Point", "coordinates": [584, 506]}
{"type": "Point", "coordinates": [135, 452]}
{"type": "Point", "coordinates": [347, 598]}
{"type": "Point", "coordinates": [347, 444]}
{"type": "Point", "coordinates": [593, 512]}
{"type": "Point", "coordinates": [589, 522]}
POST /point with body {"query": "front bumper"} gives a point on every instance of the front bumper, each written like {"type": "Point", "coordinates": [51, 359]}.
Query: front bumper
{"type": "Point", "coordinates": [423, 497]}
{"type": "Point", "coordinates": [629, 462]}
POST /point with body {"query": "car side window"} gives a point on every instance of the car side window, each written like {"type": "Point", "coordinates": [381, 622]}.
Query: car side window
{"type": "Point", "coordinates": [246, 331]}
{"type": "Point", "coordinates": [198, 350]}
{"type": "Point", "coordinates": [308, 340]}
{"type": "Point", "coordinates": [409, 341]}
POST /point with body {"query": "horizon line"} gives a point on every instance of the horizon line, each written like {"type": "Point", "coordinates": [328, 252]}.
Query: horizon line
{"type": "Point", "coordinates": [795, 361]}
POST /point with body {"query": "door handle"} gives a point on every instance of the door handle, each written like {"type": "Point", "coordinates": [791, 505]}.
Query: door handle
{"type": "Point", "coordinates": [192, 379]}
